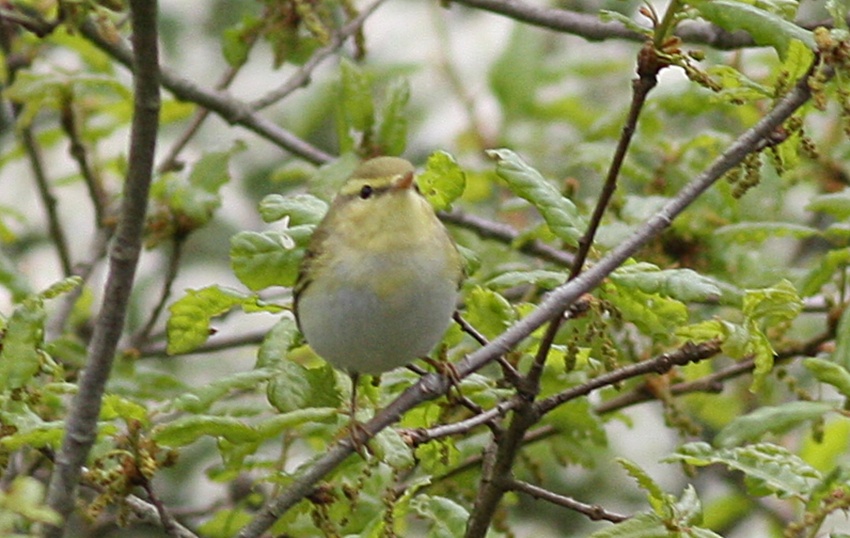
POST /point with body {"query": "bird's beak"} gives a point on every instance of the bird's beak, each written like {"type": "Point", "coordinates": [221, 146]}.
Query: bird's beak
{"type": "Point", "coordinates": [404, 182]}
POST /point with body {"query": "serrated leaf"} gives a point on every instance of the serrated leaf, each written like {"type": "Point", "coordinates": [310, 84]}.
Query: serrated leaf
{"type": "Point", "coordinates": [830, 373]}
{"type": "Point", "coordinates": [355, 91]}
{"type": "Point", "coordinates": [560, 214]}
{"type": "Point", "coordinates": [488, 312]}
{"type": "Point", "coordinates": [757, 232]}
{"type": "Point", "coordinates": [115, 406]}
{"type": "Point", "coordinates": [769, 468]}
{"type": "Point", "coordinates": [651, 313]}
{"type": "Point", "coordinates": [736, 86]}
{"type": "Point", "coordinates": [546, 280]}
{"type": "Point", "coordinates": [62, 287]}
{"type": "Point", "coordinates": [300, 208]}
{"type": "Point", "coordinates": [766, 28]}
{"type": "Point", "coordinates": [776, 304]}
{"type": "Point", "coordinates": [188, 326]}
{"type": "Point", "coordinates": [681, 284]}
{"type": "Point", "coordinates": [22, 340]}
{"type": "Point", "coordinates": [289, 389]}
{"type": "Point", "coordinates": [770, 419]}
{"type": "Point", "coordinates": [270, 258]}
{"type": "Point", "coordinates": [443, 181]}
{"type": "Point", "coordinates": [392, 133]}
{"type": "Point", "coordinates": [655, 495]}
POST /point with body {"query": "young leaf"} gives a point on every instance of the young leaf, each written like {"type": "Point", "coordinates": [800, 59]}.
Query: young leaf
{"type": "Point", "coordinates": [188, 325]}
{"type": "Point", "coordinates": [560, 214]}
{"type": "Point", "coordinates": [22, 340]}
{"type": "Point", "coordinates": [651, 313]}
{"type": "Point", "coordinates": [546, 280]}
{"type": "Point", "coordinates": [355, 99]}
{"type": "Point", "coordinates": [277, 342]}
{"type": "Point", "coordinates": [300, 208]}
{"type": "Point", "coordinates": [766, 28]}
{"type": "Point", "coordinates": [488, 312]}
{"type": "Point", "coordinates": [769, 468]}
{"type": "Point", "coordinates": [830, 373]}
{"type": "Point", "coordinates": [392, 133]}
{"type": "Point", "coordinates": [773, 305]}
{"type": "Point", "coordinates": [443, 181]}
{"type": "Point", "coordinates": [659, 500]}
{"type": "Point", "coordinates": [270, 258]}
{"type": "Point", "coordinates": [770, 419]}
{"type": "Point", "coordinates": [446, 518]}
{"type": "Point", "coordinates": [201, 399]}
{"type": "Point", "coordinates": [682, 284]}
{"type": "Point", "coordinates": [823, 272]}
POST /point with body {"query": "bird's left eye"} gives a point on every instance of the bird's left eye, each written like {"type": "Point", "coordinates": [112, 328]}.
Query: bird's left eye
{"type": "Point", "coordinates": [366, 191]}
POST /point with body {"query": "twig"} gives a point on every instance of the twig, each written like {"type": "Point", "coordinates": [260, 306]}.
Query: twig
{"type": "Point", "coordinates": [302, 76]}
{"type": "Point", "coordinates": [169, 524]}
{"type": "Point", "coordinates": [504, 233]}
{"type": "Point", "coordinates": [593, 511]}
{"type": "Point", "coordinates": [36, 25]}
{"type": "Point", "coordinates": [57, 233]}
{"type": "Point", "coordinates": [231, 110]}
{"type": "Point", "coordinates": [148, 513]}
{"type": "Point", "coordinates": [79, 153]}
{"type": "Point", "coordinates": [593, 29]}
{"type": "Point", "coordinates": [240, 340]}
{"type": "Point", "coordinates": [433, 385]}
{"type": "Point", "coordinates": [81, 424]}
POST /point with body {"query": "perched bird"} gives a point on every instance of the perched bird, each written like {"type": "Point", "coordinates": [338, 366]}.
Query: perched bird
{"type": "Point", "coordinates": [379, 283]}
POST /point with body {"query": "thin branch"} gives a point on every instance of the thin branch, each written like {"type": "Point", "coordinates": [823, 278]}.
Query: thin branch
{"type": "Point", "coordinates": [81, 424]}
{"type": "Point", "coordinates": [148, 513]}
{"type": "Point", "coordinates": [78, 151]}
{"type": "Point", "coordinates": [36, 25]}
{"type": "Point", "coordinates": [169, 524]}
{"type": "Point", "coordinates": [302, 77]}
{"type": "Point", "coordinates": [593, 511]}
{"type": "Point", "coordinates": [590, 27]}
{"type": "Point", "coordinates": [240, 340]}
{"type": "Point", "coordinates": [231, 110]}
{"type": "Point", "coordinates": [57, 233]}
{"type": "Point", "coordinates": [489, 229]}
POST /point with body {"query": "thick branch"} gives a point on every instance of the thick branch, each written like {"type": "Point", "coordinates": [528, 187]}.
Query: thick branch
{"type": "Point", "coordinates": [81, 424]}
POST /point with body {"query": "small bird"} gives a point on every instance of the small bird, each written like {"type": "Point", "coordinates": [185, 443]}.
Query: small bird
{"type": "Point", "coordinates": [379, 283]}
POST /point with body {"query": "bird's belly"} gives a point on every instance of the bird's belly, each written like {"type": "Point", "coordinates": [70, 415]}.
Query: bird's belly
{"type": "Point", "coordinates": [380, 317]}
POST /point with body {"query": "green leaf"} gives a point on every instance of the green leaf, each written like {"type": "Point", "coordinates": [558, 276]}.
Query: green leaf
{"type": "Point", "coordinates": [769, 469]}
{"type": "Point", "coordinates": [546, 280]}
{"type": "Point", "coordinates": [770, 419]}
{"type": "Point", "coordinates": [737, 87]}
{"type": "Point", "coordinates": [355, 97]}
{"type": "Point", "coordinates": [270, 258]}
{"type": "Point", "coordinates": [392, 133]}
{"type": "Point", "coordinates": [681, 284]}
{"type": "Point", "coordinates": [637, 526]}
{"type": "Point", "coordinates": [12, 279]}
{"type": "Point", "coordinates": [651, 313]}
{"type": "Point", "coordinates": [41, 435]}
{"type": "Point", "coordinates": [237, 40]}
{"type": "Point", "coordinates": [446, 517]}
{"type": "Point", "coordinates": [389, 447]}
{"type": "Point", "coordinates": [488, 312]}
{"type": "Point", "coordinates": [25, 497]}
{"type": "Point", "coordinates": [560, 214]}
{"type": "Point", "coordinates": [443, 181]}
{"type": "Point", "coordinates": [836, 204]}
{"type": "Point", "coordinates": [277, 342]}
{"type": "Point", "coordinates": [515, 75]}
{"type": "Point", "coordinates": [766, 28]}
{"type": "Point", "coordinates": [300, 208]}
{"type": "Point", "coordinates": [777, 304]}
{"type": "Point", "coordinates": [656, 496]}
{"type": "Point", "coordinates": [830, 373]}
{"type": "Point", "coordinates": [841, 354]}
{"type": "Point", "coordinates": [115, 406]}
{"type": "Point", "coordinates": [757, 232]}
{"type": "Point", "coordinates": [22, 340]}
{"type": "Point", "coordinates": [289, 389]}
{"type": "Point", "coordinates": [188, 325]}
{"type": "Point", "coordinates": [824, 271]}
{"type": "Point", "coordinates": [201, 399]}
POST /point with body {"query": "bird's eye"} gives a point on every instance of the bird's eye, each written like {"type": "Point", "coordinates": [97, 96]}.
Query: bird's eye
{"type": "Point", "coordinates": [366, 191]}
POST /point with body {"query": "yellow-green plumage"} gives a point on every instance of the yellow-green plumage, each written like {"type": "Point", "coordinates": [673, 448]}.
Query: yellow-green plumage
{"type": "Point", "coordinates": [379, 283]}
